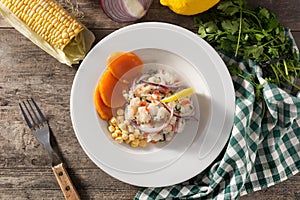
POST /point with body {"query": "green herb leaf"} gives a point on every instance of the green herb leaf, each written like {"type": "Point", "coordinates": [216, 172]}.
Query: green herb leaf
{"type": "Point", "coordinates": [229, 7]}
{"type": "Point", "coordinates": [251, 33]}
{"type": "Point", "coordinates": [229, 26]}
{"type": "Point", "coordinates": [264, 13]}
{"type": "Point", "coordinates": [211, 27]}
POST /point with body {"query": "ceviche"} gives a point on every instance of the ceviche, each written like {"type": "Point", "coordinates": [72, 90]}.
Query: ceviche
{"type": "Point", "coordinates": [157, 106]}
{"type": "Point", "coordinates": [147, 106]}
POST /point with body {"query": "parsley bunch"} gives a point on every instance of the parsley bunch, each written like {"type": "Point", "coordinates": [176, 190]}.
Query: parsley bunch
{"type": "Point", "coordinates": [236, 28]}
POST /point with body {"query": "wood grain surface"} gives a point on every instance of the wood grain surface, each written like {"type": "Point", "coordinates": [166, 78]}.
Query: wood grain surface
{"type": "Point", "coordinates": [27, 71]}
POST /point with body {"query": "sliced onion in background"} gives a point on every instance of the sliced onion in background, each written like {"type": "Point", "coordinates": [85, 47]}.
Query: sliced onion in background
{"type": "Point", "coordinates": [125, 10]}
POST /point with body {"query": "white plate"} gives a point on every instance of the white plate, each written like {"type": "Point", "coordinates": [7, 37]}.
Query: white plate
{"type": "Point", "coordinates": [189, 152]}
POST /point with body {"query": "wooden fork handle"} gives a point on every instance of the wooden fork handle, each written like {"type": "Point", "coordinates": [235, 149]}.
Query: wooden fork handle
{"type": "Point", "coordinates": [65, 182]}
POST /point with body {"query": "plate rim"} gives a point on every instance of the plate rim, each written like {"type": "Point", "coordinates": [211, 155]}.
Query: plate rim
{"type": "Point", "coordinates": [139, 26]}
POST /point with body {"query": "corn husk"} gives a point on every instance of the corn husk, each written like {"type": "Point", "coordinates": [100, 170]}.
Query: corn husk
{"type": "Point", "coordinates": [71, 53]}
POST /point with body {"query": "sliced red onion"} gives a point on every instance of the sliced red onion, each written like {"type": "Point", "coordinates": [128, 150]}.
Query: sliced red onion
{"type": "Point", "coordinates": [125, 10]}
{"type": "Point", "coordinates": [153, 129]}
{"type": "Point", "coordinates": [175, 85]}
{"type": "Point", "coordinates": [137, 80]}
{"type": "Point", "coordinates": [144, 76]}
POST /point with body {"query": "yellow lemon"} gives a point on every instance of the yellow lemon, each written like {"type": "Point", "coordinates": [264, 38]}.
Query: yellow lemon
{"type": "Point", "coordinates": [189, 7]}
{"type": "Point", "coordinates": [179, 95]}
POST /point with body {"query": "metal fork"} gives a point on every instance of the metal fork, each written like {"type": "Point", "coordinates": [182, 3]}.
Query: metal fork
{"type": "Point", "coordinates": [37, 122]}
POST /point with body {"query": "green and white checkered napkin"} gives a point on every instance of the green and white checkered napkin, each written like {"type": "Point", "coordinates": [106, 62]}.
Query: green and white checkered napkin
{"type": "Point", "coordinates": [261, 151]}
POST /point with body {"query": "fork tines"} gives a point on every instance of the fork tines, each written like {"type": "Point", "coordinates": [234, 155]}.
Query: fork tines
{"type": "Point", "coordinates": [36, 117]}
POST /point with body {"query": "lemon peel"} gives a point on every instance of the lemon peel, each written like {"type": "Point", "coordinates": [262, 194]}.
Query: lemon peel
{"type": "Point", "coordinates": [179, 95]}
{"type": "Point", "coordinates": [189, 7]}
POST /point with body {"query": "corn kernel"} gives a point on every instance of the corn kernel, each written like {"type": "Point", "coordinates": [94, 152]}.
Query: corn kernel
{"type": "Point", "coordinates": [135, 143]}
{"type": "Point", "coordinates": [142, 143]}
{"type": "Point", "coordinates": [127, 141]}
{"type": "Point", "coordinates": [120, 111]}
{"type": "Point", "coordinates": [122, 126]}
{"type": "Point", "coordinates": [71, 34]}
{"type": "Point", "coordinates": [119, 139]}
{"type": "Point", "coordinates": [68, 23]}
{"type": "Point", "coordinates": [125, 136]}
{"type": "Point", "coordinates": [113, 121]}
{"type": "Point", "coordinates": [77, 30]}
{"type": "Point", "coordinates": [118, 132]}
{"type": "Point", "coordinates": [111, 128]}
{"type": "Point", "coordinates": [114, 135]}
{"type": "Point", "coordinates": [120, 119]}
{"type": "Point", "coordinates": [131, 137]}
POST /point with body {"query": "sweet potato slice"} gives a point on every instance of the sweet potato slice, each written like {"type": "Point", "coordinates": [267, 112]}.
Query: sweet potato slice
{"type": "Point", "coordinates": [121, 63]}
{"type": "Point", "coordinates": [103, 111]}
{"type": "Point", "coordinates": [111, 90]}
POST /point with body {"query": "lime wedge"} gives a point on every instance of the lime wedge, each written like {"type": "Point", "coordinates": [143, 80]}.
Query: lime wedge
{"type": "Point", "coordinates": [179, 95]}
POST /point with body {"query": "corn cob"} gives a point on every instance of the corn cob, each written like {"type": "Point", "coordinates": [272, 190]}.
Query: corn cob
{"type": "Point", "coordinates": [46, 19]}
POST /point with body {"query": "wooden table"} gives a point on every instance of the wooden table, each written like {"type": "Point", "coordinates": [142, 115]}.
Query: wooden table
{"type": "Point", "coordinates": [26, 70]}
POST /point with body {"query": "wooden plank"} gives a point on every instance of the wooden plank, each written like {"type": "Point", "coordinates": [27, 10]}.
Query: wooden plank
{"type": "Point", "coordinates": [95, 184]}
{"type": "Point", "coordinates": [47, 194]}
{"type": "Point", "coordinates": [26, 70]}
{"type": "Point", "coordinates": [25, 171]}
{"type": "Point", "coordinates": [23, 183]}
{"type": "Point", "coordinates": [95, 18]}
